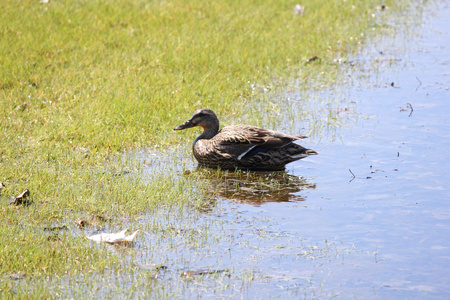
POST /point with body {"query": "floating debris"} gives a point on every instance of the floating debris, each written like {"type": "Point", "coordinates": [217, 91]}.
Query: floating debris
{"type": "Point", "coordinates": [99, 218]}
{"type": "Point", "coordinates": [312, 58]}
{"type": "Point", "coordinates": [21, 107]}
{"type": "Point", "coordinates": [54, 237]}
{"type": "Point", "coordinates": [408, 108]}
{"type": "Point", "coordinates": [259, 89]}
{"type": "Point", "coordinates": [387, 60]}
{"type": "Point", "coordinates": [22, 199]}
{"type": "Point", "coordinates": [92, 220]}
{"type": "Point", "coordinates": [299, 10]}
{"type": "Point", "coordinates": [81, 223]}
{"type": "Point", "coordinates": [55, 228]}
{"type": "Point", "coordinates": [154, 267]}
{"type": "Point", "coordinates": [113, 238]}
{"type": "Point", "coordinates": [420, 83]}
{"type": "Point", "coordinates": [16, 276]}
{"type": "Point", "coordinates": [120, 173]}
{"type": "Point", "coordinates": [352, 175]}
{"type": "Point", "coordinates": [85, 152]}
{"type": "Point", "coordinates": [202, 272]}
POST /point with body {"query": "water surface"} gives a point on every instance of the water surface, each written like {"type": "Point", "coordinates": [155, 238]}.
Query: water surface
{"type": "Point", "coordinates": [398, 204]}
{"type": "Point", "coordinates": [368, 218]}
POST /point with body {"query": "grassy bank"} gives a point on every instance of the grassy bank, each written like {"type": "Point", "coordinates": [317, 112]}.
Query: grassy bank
{"type": "Point", "coordinates": [83, 81]}
{"type": "Point", "coordinates": [111, 75]}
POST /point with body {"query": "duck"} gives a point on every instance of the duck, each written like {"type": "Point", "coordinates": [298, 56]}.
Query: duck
{"type": "Point", "coordinates": [243, 147]}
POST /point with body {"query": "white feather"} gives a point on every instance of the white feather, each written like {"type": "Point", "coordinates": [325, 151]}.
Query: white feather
{"type": "Point", "coordinates": [113, 238]}
{"type": "Point", "coordinates": [243, 154]}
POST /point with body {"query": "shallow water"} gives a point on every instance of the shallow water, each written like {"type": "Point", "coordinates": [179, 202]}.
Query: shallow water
{"type": "Point", "coordinates": [368, 218]}
{"type": "Point", "coordinates": [398, 205]}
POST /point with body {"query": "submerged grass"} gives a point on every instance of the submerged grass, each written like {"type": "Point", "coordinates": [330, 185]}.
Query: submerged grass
{"type": "Point", "coordinates": [82, 81]}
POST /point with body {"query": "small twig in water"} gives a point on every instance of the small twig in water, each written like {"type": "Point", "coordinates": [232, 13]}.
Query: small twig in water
{"type": "Point", "coordinates": [410, 106]}
{"type": "Point", "coordinates": [352, 175]}
{"type": "Point", "coordinates": [420, 83]}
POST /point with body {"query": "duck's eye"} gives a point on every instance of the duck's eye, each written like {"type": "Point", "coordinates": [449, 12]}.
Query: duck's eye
{"type": "Point", "coordinates": [194, 120]}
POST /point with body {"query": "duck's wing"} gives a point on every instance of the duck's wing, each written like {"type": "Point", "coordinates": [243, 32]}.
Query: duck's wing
{"type": "Point", "coordinates": [246, 135]}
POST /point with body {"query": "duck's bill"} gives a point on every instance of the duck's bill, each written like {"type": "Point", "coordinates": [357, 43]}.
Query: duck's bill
{"type": "Point", "coordinates": [311, 152]}
{"type": "Point", "coordinates": [188, 124]}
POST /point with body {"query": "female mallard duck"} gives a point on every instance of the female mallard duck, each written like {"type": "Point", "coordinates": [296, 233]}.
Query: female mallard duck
{"type": "Point", "coordinates": [242, 146]}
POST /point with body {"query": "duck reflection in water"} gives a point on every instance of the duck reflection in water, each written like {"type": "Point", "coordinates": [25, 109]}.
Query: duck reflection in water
{"type": "Point", "coordinates": [252, 187]}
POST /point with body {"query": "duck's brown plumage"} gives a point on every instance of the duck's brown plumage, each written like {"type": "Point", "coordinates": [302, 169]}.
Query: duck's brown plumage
{"type": "Point", "coordinates": [242, 146]}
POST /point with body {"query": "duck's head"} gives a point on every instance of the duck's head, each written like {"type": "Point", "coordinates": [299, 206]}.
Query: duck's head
{"type": "Point", "coordinates": [204, 118]}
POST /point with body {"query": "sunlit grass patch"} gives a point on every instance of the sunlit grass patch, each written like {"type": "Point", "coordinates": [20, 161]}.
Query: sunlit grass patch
{"type": "Point", "coordinates": [34, 252]}
{"type": "Point", "coordinates": [100, 74]}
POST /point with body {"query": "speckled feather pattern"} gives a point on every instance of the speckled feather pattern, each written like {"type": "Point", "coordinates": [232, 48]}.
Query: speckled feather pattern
{"type": "Point", "coordinates": [242, 146]}
{"type": "Point", "coordinates": [224, 149]}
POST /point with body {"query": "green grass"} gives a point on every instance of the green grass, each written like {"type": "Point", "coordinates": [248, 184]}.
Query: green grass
{"type": "Point", "coordinates": [84, 81]}
{"type": "Point", "coordinates": [110, 76]}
